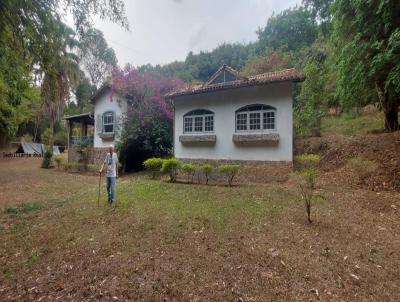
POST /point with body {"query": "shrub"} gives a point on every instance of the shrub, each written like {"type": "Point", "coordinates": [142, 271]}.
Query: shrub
{"type": "Point", "coordinates": [46, 162]}
{"type": "Point", "coordinates": [307, 175]}
{"type": "Point", "coordinates": [207, 170]}
{"type": "Point", "coordinates": [229, 171]}
{"type": "Point", "coordinates": [58, 159]}
{"type": "Point", "coordinates": [154, 165]}
{"type": "Point", "coordinates": [47, 138]}
{"type": "Point", "coordinates": [307, 160]}
{"type": "Point", "coordinates": [188, 169]}
{"type": "Point", "coordinates": [171, 166]}
{"type": "Point", "coordinates": [362, 167]}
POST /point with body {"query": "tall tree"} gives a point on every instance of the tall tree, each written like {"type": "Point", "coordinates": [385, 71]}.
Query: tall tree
{"type": "Point", "coordinates": [26, 34]}
{"type": "Point", "coordinates": [366, 37]}
{"type": "Point", "coordinates": [60, 68]}
{"type": "Point", "coordinates": [321, 12]}
{"type": "Point", "coordinates": [97, 57]}
{"type": "Point", "coordinates": [29, 17]}
{"type": "Point", "coordinates": [83, 91]}
{"type": "Point", "coordinates": [16, 91]}
{"type": "Point", "coordinates": [293, 27]}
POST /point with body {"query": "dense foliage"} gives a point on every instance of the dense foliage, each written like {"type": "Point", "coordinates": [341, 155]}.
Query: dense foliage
{"type": "Point", "coordinates": [366, 39]}
{"type": "Point", "coordinates": [147, 127]}
{"type": "Point", "coordinates": [97, 57]}
{"type": "Point", "coordinates": [38, 62]}
{"type": "Point", "coordinates": [348, 50]}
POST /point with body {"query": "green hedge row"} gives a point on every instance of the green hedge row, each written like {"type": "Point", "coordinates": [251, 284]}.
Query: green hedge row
{"type": "Point", "coordinates": [171, 166]}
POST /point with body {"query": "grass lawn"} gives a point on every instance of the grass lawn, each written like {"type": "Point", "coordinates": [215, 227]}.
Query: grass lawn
{"type": "Point", "coordinates": [180, 242]}
{"type": "Point", "coordinates": [144, 207]}
{"type": "Point", "coordinates": [349, 124]}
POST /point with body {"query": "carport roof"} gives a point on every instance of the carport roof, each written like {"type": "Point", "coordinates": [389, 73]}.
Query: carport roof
{"type": "Point", "coordinates": [86, 118]}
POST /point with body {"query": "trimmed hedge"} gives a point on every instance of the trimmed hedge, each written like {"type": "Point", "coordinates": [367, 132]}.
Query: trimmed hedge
{"type": "Point", "coordinates": [171, 166]}
{"type": "Point", "coordinates": [153, 165]}
{"type": "Point", "coordinates": [230, 171]}
{"type": "Point", "coordinates": [189, 170]}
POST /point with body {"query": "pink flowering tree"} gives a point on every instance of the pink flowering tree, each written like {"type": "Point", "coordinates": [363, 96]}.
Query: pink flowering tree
{"type": "Point", "coordinates": [147, 127]}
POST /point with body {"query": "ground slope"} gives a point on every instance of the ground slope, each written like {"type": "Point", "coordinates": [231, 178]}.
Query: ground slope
{"type": "Point", "coordinates": [177, 242]}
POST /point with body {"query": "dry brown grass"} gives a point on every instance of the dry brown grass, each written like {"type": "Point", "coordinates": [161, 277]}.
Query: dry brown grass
{"type": "Point", "coordinates": [176, 242]}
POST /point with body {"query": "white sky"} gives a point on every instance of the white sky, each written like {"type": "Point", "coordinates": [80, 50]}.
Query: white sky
{"type": "Point", "coordinates": [162, 31]}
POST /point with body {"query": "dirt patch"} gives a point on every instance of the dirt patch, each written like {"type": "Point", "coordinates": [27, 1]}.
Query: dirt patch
{"type": "Point", "coordinates": [383, 149]}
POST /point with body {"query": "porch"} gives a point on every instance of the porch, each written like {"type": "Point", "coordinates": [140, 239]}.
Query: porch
{"type": "Point", "coordinates": [80, 129]}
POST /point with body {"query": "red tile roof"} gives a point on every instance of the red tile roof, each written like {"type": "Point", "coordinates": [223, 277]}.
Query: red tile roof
{"type": "Point", "coordinates": [287, 75]}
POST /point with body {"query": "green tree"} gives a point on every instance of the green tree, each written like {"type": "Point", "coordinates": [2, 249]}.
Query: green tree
{"type": "Point", "coordinates": [366, 39]}
{"type": "Point", "coordinates": [27, 34]}
{"type": "Point", "coordinates": [293, 27]}
{"type": "Point", "coordinates": [97, 57]}
{"type": "Point", "coordinates": [309, 108]}
{"type": "Point", "coordinates": [60, 68]}
{"type": "Point", "coordinates": [16, 91]}
{"type": "Point", "coordinates": [321, 12]}
{"type": "Point", "coordinates": [30, 18]}
{"type": "Point", "coordinates": [83, 91]}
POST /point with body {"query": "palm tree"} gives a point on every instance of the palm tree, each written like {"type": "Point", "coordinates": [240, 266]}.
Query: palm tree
{"type": "Point", "coordinates": [60, 70]}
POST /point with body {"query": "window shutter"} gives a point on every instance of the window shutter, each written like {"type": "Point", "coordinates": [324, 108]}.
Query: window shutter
{"type": "Point", "coordinates": [99, 123]}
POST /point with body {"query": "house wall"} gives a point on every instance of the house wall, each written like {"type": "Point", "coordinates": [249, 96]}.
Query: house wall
{"type": "Point", "coordinates": [224, 104]}
{"type": "Point", "coordinates": [103, 104]}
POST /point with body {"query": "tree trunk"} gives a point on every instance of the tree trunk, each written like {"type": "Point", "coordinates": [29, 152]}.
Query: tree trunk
{"type": "Point", "coordinates": [390, 106]}
{"type": "Point", "coordinates": [392, 117]}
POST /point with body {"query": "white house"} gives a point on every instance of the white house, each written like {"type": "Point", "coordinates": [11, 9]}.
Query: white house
{"type": "Point", "coordinates": [230, 117]}
{"type": "Point", "coordinates": [234, 118]}
{"type": "Point", "coordinates": [106, 120]}
{"type": "Point", "coordinates": [109, 110]}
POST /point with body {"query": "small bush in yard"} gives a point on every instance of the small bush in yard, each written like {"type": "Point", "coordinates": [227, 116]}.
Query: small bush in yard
{"type": "Point", "coordinates": [189, 170]}
{"type": "Point", "coordinates": [47, 138]}
{"type": "Point", "coordinates": [207, 170]}
{"type": "Point", "coordinates": [153, 165]}
{"type": "Point", "coordinates": [307, 160]}
{"type": "Point", "coordinates": [307, 175]}
{"type": "Point", "coordinates": [229, 171]}
{"type": "Point", "coordinates": [362, 167]}
{"type": "Point", "coordinates": [171, 166]}
{"type": "Point", "coordinates": [46, 162]}
{"type": "Point", "coordinates": [58, 160]}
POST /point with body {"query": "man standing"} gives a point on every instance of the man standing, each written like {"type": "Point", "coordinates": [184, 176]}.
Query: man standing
{"type": "Point", "coordinates": [111, 160]}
